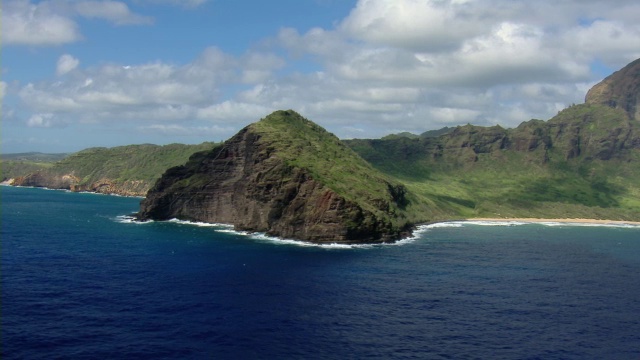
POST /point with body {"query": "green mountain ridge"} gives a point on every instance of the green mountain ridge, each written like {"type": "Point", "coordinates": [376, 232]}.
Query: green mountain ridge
{"type": "Point", "coordinates": [581, 163]}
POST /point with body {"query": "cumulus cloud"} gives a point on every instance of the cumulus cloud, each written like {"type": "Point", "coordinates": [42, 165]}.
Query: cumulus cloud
{"type": "Point", "coordinates": [181, 3]}
{"type": "Point", "coordinates": [36, 24]}
{"type": "Point", "coordinates": [181, 130]}
{"type": "Point", "coordinates": [54, 22]}
{"type": "Point", "coordinates": [423, 25]}
{"type": "Point", "coordinates": [41, 120]}
{"type": "Point", "coordinates": [114, 11]}
{"type": "Point", "coordinates": [388, 66]}
{"type": "Point", "coordinates": [3, 90]}
{"type": "Point", "coordinates": [66, 63]}
{"type": "Point", "coordinates": [151, 92]}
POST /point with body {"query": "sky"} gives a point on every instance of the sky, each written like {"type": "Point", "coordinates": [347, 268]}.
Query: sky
{"type": "Point", "coordinates": [84, 73]}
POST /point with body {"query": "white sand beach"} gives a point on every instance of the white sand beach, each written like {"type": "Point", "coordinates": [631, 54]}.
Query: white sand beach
{"type": "Point", "coordinates": [578, 221]}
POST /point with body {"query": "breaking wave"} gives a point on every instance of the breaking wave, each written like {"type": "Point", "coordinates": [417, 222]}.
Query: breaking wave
{"type": "Point", "coordinates": [568, 223]}
{"type": "Point", "coordinates": [418, 233]}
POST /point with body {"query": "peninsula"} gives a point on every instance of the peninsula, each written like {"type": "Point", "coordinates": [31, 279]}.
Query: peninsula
{"type": "Point", "coordinates": [287, 177]}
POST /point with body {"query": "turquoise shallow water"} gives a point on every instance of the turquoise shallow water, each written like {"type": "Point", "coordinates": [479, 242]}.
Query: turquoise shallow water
{"type": "Point", "coordinates": [80, 281]}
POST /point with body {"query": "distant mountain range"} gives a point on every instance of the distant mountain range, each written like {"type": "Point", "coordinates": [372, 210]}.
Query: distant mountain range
{"type": "Point", "coordinates": [287, 176]}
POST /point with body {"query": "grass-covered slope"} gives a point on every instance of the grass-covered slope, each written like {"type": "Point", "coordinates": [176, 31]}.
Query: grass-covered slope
{"type": "Point", "coordinates": [129, 170]}
{"type": "Point", "coordinates": [287, 177]}
{"type": "Point", "coordinates": [304, 144]}
{"type": "Point", "coordinates": [585, 162]}
{"type": "Point", "coordinates": [132, 162]}
{"type": "Point", "coordinates": [21, 164]}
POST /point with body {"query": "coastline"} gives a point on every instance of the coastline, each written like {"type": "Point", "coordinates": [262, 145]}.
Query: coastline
{"type": "Point", "coordinates": [4, 183]}
{"type": "Point", "coordinates": [564, 220]}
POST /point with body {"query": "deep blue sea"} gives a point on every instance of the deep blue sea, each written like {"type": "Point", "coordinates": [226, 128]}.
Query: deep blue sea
{"type": "Point", "coordinates": [80, 281]}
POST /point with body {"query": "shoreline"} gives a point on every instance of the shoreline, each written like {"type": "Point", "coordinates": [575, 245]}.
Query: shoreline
{"type": "Point", "coordinates": [564, 220]}
{"type": "Point", "coordinates": [4, 183]}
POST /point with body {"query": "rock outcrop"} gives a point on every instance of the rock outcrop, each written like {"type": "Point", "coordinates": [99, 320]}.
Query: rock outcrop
{"type": "Point", "coordinates": [620, 90]}
{"type": "Point", "coordinates": [50, 180]}
{"type": "Point", "coordinates": [287, 177]}
{"type": "Point", "coordinates": [44, 179]}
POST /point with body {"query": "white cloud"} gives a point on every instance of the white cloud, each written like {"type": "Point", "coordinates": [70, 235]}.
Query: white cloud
{"type": "Point", "coordinates": [66, 63]}
{"type": "Point", "coordinates": [36, 24]}
{"type": "Point", "coordinates": [234, 111]}
{"type": "Point", "coordinates": [3, 90]}
{"type": "Point", "coordinates": [182, 3]}
{"type": "Point", "coordinates": [181, 130]}
{"type": "Point", "coordinates": [148, 92]}
{"type": "Point", "coordinates": [611, 41]}
{"type": "Point", "coordinates": [427, 25]}
{"type": "Point", "coordinates": [114, 11]}
{"type": "Point", "coordinates": [53, 22]}
{"type": "Point", "coordinates": [41, 120]}
{"type": "Point", "coordinates": [402, 65]}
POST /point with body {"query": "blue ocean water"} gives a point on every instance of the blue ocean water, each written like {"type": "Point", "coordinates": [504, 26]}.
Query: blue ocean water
{"type": "Point", "coordinates": [81, 282]}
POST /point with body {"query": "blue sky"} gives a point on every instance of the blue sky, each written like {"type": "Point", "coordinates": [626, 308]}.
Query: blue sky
{"type": "Point", "coordinates": [83, 73]}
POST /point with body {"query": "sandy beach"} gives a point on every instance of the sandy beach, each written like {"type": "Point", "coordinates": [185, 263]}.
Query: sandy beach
{"type": "Point", "coordinates": [580, 221]}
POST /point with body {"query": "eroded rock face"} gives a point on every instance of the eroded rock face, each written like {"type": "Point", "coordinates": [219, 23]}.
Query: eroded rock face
{"type": "Point", "coordinates": [108, 186]}
{"type": "Point", "coordinates": [43, 179]}
{"type": "Point", "coordinates": [73, 183]}
{"type": "Point", "coordinates": [245, 183]}
{"type": "Point", "coordinates": [620, 90]}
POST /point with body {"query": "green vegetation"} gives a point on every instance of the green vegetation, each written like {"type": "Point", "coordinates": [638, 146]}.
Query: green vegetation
{"type": "Point", "coordinates": [132, 162]}
{"type": "Point", "coordinates": [303, 144]}
{"type": "Point", "coordinates": [20, 164]}
{"type": "Point", "coordinates": [581, 163]}
{"type": "Point", "coordinates": [138, 164]}
{"type": "Point", "coordinates": [11, 169]}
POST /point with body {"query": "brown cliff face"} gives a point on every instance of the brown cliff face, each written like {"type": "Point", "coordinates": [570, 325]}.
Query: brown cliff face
{"type": "Point", "coordinates": [109, 186]}
{"type": "Point", "coordinates": [250, 183]}
{"type": "Point", "coordinates": [620, 90]}
{"type": "Point", "coordinates": [73, 183]}
{"type": "Point", "coordinates": [44, 179]}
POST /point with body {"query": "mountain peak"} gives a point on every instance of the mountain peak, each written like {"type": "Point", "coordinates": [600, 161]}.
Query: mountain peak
{"type": "Point", "coordinates": [620, 90]}
{"type": "Point", "coordinates": [288, 177]}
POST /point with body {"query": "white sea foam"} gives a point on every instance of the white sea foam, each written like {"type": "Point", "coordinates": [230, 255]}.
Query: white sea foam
{"type": "Point", "coordinates": [457, 224]}
{"type": "Point", "coordinates": [228, 229]}
{"type": "Point", "coordinates": [199, 223]}
{"type": "Point", "coordinates": [128, 219]}
{"type": "Point", "coordinates": [418, 233]}
{"type": "Point", "coordinates": [588, 224]}
{"type": "Point", "coordinates": [280, 241]}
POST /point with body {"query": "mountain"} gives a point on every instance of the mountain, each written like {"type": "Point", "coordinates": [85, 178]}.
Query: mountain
{"type": "Point", "coordinates": [20, 164]}
{"type": "Point", "coordinates": [620, 90]}
{"type": "Point", "coordinates": [125, 170]}
{"type": "Point", "coordinates": [584, 162]}
{"type": "Point", "coordinates": [287, 177]}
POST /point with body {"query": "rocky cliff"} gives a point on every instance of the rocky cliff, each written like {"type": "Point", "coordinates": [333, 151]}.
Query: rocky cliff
{"type": "Point", "coordinates": [287, 177]}
{"type": "Point", "coordinates": [581, 163]}
{"type": "Point", "coordinates": [620, 90]}
{"type": "Point", "coordinates": [73, 183]}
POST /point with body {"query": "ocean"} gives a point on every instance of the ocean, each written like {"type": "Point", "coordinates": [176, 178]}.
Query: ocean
{"type": "Point", "coordinates": [82, 281]}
